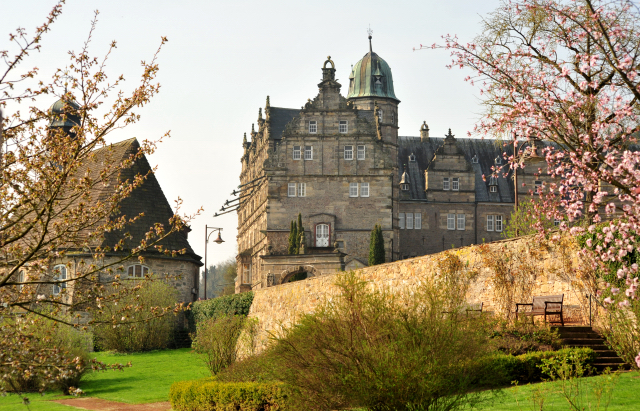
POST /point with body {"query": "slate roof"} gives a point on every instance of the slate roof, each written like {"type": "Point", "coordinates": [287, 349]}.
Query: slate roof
{"type": "Point", "coordinates": [279, 117]}
{"type": "Point", "coordinates": [486, 150]}
{"type": "Point", "coordinates": [148, 198]}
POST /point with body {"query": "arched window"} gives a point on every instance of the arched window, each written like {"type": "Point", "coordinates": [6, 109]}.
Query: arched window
{"type": "Point", "coordinates": [59, 274]}
{"type": "Point", "coordinates": [137, 271]}
{"type": "Point", "coordinates": [322, 235]}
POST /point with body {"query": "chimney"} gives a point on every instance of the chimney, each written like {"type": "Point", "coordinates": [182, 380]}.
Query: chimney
{"type": "Point", "coordinates": [424, 132]}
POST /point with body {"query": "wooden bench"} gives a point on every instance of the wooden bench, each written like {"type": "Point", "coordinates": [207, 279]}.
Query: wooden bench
{"type": "Point", "coordinates": [543, 305]}
{"type": "Point", "coordinates": [474, 307]}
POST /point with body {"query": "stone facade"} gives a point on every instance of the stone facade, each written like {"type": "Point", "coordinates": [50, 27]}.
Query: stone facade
{"type": "Point", "coordinates": [341, 164]}
{"type": "Point", "coordinates": [556, 270]}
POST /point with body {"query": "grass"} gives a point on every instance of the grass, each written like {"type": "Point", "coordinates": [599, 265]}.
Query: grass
{"type": "Point", "coordinates": [148, 380]}
{"type": "Point", "coordinates": [520, 398]}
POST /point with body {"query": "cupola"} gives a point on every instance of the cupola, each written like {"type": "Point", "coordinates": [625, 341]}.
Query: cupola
{"type": "Point", "coordinates": [63, 115]}
{"type": "Point", "coordinates": [371, 77]}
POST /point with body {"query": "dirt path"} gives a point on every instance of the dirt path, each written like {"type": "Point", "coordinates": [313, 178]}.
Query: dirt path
{"type": "Point", "coordinates": [96, 404]}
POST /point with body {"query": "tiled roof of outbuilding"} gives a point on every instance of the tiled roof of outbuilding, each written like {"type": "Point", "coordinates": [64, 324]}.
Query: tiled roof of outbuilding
{"type": "Point", "coordinates": [147, 199]}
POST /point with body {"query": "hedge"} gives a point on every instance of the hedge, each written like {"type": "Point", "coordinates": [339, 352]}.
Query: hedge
{"type": "Point", "coordinates": [211, 395]}
{"type": "Point", "coordinates": [233, 304]}
{"type": "Point", "coordinates": [503, 369]}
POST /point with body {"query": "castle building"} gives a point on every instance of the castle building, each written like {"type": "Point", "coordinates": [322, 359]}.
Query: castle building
{"type": "Point", "coordinates": [341, 164]}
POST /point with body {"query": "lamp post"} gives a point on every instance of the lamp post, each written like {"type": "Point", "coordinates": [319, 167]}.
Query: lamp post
{"type": "Point", "coordinates": [218, 240]}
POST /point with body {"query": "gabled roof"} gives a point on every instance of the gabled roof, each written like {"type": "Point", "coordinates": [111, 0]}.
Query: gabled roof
{"type": "Point", "coordinates": [148, 199]}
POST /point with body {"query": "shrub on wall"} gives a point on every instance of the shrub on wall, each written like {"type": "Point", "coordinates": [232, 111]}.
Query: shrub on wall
{"type": "Point", "coordinates": [233, 304]}
{"type": "Point", "coordinates": [209, 394]}
{"type": "Point", "coordinates": [138, 330]}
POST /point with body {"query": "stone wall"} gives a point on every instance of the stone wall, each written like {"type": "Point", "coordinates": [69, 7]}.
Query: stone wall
{"type": "Point", "coordinates": [552, 269]}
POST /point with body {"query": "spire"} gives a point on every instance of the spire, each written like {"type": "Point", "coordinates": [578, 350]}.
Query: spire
{"type": "Point", "coordinates": [370, 32]}
{"type": "Point", "coordinates": [268, 103]}
{"type": "Point", "coordinates": [244, 140]}
{"type": "Point", "coordinates": [260, 113]}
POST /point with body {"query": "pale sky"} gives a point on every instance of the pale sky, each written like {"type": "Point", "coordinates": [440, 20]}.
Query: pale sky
{"type": "Point", "coordinates": [224, 57]}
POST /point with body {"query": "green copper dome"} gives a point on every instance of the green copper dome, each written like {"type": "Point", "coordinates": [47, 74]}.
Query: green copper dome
{"type": "Point", "coordinates": [371, 77]}
{"type": "Point", "coordinates": [61, 117]}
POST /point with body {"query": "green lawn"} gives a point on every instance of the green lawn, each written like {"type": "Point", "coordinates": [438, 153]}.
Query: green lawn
{"type": "Point", "coordinates": [625, 395]}
{"type": "Point", "coordinates": [148, 380]}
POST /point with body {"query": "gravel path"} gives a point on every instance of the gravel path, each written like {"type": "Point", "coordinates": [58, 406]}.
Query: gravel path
{"type": "Point", "coordinates": [96, 404]}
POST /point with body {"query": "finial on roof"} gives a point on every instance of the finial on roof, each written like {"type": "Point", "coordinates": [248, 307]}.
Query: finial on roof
{"type": "Point", "coordinates": [253, 129]}
{"type": "Point", "coordinates": [244, 140]}
{"type": "Point", "coordinates": [370, 32]}
{"type": "Point", "coordinates": [259, 113]}
{"type": "Point", "coordinates": [268, 105]}
{"type": "Point", "coordinates": [449, 135]}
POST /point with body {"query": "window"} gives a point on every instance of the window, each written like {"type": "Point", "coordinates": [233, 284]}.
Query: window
{"type": "Point", "coordinates": [498, 160]}
{"type": "Point", "coordinates": [451, 221]}
{"type": "Point", "coordinates": [404, 187]}
{"type": "Point", "coordinates": [302, 189]}
{"type": "Point", "coordinates": [498, 223]}
{"type": "Point", "coordinates": [353, 189]}
{"type": "Point", "coordinates": [296, 152]}
{"type": "Point", "coordinates": [489, 223]}
{"type": "Point", "coordinates": [137, 271]}
{"type": "Point", "coordinates": [445, 183]}
{"type": "Point", "coordinates": [556, 222]}
{"type": "Point", "coordinates": [361, 152]}
{"type": "Point", "coordinates": [455, 184]}
{"type": "Point", "coordinates": [348, 152]}
{"type": "Point", "coordinates": [344, 126]}
{"type": "Point", "coordinates": [393, 118]}
{"type": "Point", "coordinates": [291, 192]}
{"type": "Point", "coordinates": [59, 273]}
{"type": "Point", "coordinates": [364, 189]}
{"type": "Point", "coordinates": [474, 159]}
{"type": "Point", "coordinates": [381, 115]}
{"type": "Point", "coordinates": [493, 189]}
{"type": "Point", "coordinates": [21, 279]}
{"type": "Point", "coordinates": [460, 221]}
{"type": "Point", "coordinates": [246, 273]}
{"type": "Point", "coordinates": [322, 235]}
{"type": "Point", "coordinates": [401, 220]}
{"type": "Point", "coordinates": [308, 152]}
{"type": "Point", "coordinates": [417, 221]}
{"type": "Point", "coordinates": [538, 186]}
{"type": "Point", "coordinates": [409, 221]}
{"type": "Point", "coordinates": [313, 126]}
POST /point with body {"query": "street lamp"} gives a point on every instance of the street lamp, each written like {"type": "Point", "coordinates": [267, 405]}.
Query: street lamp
{"type": "Point", "coordinates": [218, 240]}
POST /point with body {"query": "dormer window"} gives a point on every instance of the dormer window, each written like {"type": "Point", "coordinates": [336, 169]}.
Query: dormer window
{"type": "Point", "coordinates": [493, 184]}
{"type": "Point", "coordinates": [412, 158]}
{"type": "Point", "coordinates": [474, 159]}
{"type": "Point", "coordinates": [498, 160]}
{"type": "Point", "coordinates": [404, 187]}
{"type": "Point", "coordinates": [313, 126]}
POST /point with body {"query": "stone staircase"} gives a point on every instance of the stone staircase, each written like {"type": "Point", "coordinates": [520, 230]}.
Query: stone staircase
{"type": "Point", "coordinates": [585, 336]}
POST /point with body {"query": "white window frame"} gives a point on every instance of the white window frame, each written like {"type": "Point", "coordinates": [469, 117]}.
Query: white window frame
{"type": "Point", "coordinates": [460, 221]}
{"type": "Point", "coordinates": [361, 152]}
{"type": "Point", "coordinates": [493, 189]}
{"type": "Point", "coordinates": [308, 152]}
{"type": "Point", "coordinates": [556, 222]}
{"type": "Point", "coordinates": [455, 184]}
{"type": "Point", "coordinates": [417, 221]}
{"type": "Point", "coordinates": [489, 223]}
{"type": "Point", "coordinates": [313, 127]}
{"type": "Point", "coordinates": [291, 190]}
{"type": "Point", "coordinates": [364, 189]}
{"type": "Point", "coordinates": [381, 115]}
{"type": "Point", "coordinates": [499, 223]}
{"type": "Point", "coordinates": [246, 273]}
{"type": "Point", "coordinates": [353, 189]}
{"type": "Point", "coordinates": [348, 152]}
{"type": "Point", "coordinates": [296, 152]}
{"type": "Point", "coordinates": [401, 220]}
{"type": "Point", "coordinates": [302, 189]}
{"type": "Point", "coordinates": [144, 270]}
{"type": "Point", "coordinates": [343, 126]}
{"type": "Point", "coordinates": [451, 221]}
{"type": "Point", "coordinates": [61, 275]}
{"type": "Point", "coordinates": [409, 221]}
{"type": "Point", "coordinates": [445, 183]}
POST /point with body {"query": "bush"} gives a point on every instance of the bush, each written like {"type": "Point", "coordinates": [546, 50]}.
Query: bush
{"type": "Point", "coordinates": [234, 304]}
{"type": "Point", "coordinates": [63, 341]}
{"type": "Point", "coordinates": [522, 337]}
{"type": "Point", "coordinates": [502, 369]}
{"type": "Point", "coordinates": [209, 394]}
{"type": "Point", "coordinates": [216, 341]}
{"type": "Point", "coordinates": [372, 349]}
{"type": "Point", "coordinates": [149, 328]}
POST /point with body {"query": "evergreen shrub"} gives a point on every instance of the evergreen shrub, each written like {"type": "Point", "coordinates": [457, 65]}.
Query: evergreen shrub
{"type": "Point", "coordinates": [233, 304]}
{"type": "Point", "coordinates": [209, 395]}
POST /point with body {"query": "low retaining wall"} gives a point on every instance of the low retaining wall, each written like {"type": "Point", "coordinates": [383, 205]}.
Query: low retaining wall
{"type": "Point", "coordinates": [550, 269]}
